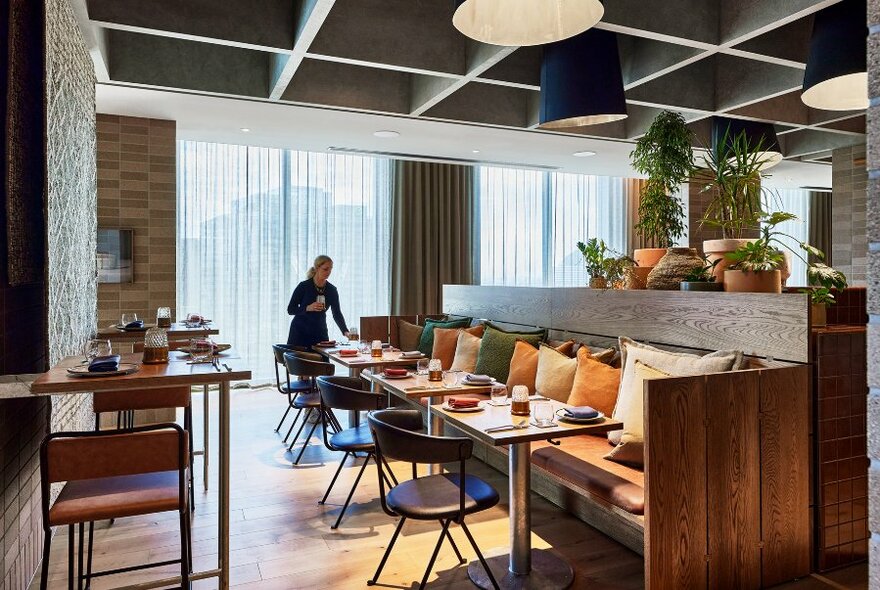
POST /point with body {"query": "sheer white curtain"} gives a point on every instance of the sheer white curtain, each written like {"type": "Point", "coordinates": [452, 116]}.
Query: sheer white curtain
{"type": "Point", "coordinates": [251, 220]}
{"type": "Point", "coordinates": [531, 221]}
{"type": "Point", "coordinates": [796, 202]}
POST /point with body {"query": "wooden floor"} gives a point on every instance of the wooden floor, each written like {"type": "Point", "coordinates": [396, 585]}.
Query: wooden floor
{"type": "Point", "coordinates": [281, 537]}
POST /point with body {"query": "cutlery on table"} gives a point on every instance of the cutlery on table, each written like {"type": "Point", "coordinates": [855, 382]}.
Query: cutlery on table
{"type": "Point", "coordinates": [505, 427]}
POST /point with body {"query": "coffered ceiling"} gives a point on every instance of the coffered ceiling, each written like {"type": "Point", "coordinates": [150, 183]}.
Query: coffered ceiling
{"type": "Point", "coordinates": [742, 58]}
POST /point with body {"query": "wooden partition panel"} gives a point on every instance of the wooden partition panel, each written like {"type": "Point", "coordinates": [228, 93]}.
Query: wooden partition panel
{"type": "Point", "coordinates": [759, 324]}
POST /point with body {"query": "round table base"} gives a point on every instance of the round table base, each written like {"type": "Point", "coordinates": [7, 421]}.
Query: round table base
{"type": "Point", "coordinates": [549, 572]}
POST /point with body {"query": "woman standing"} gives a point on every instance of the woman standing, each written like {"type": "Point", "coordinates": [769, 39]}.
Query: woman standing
{"type": "Point", "coordinates": [309, 303]}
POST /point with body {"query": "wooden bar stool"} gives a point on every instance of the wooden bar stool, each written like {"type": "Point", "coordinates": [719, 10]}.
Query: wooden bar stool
{"type": "Point", "coordinates": [113, 474]}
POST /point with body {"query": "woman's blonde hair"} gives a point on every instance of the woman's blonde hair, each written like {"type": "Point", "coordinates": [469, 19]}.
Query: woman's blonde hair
{"type": "Point", "coordinates": [322, 259]}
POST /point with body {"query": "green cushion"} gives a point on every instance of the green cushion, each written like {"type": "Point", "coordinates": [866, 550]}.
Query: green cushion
{"type": "Point", "coordinates": [496, 350]}
{"type": "Point", "coordinates": [426, 342]}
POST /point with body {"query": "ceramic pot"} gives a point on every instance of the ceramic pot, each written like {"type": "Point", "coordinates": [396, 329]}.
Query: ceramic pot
{"type": "Point", "coordinates": [765, 281]}
{"type": "Point", "coordinates": [716, 249]}
{"type": "Point", "coordinates": [598, 283]}
{"type": "Point", "coordinates": [637, 277]}
{"type": "Point", "coordinates": [648, 256]}
{"type": "Point", "coordinates": [819, 315]}
{"type": "Point", "coordinates": [701, 286]}
{"type": "Point", "coordinates": [673, 268]}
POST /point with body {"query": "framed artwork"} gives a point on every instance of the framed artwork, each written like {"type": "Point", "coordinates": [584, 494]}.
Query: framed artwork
{"type": "Point", "coordinates": [114, 258]}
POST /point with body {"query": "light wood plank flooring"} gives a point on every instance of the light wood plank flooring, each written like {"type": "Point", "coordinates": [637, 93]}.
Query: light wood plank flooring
{"type": "Point", "coordinates": [281, 537]}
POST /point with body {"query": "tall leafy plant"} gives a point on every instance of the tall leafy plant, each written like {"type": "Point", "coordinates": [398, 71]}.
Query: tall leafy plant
{"type": "Point", "coordinates": [665, 155]}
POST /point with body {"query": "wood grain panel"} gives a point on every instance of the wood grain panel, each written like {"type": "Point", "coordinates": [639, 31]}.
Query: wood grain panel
{"type": "Point", "coordinates": [756, 323]}
{"type": "Point", "coordinates": [785, 514]}
{"type": "Point", "coordinates": [375, 328]}
{"type": "Point", "coordinates": [524, 306]}
{"type": "Point", "coordinates": [675, 483]}
{"type": "Point", "coordinates": [733, 478]}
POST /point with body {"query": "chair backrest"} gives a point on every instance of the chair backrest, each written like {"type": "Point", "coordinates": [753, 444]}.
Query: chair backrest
{"type": "Point", "coordinates": [347, 393]}
{"type": "Point", "coordinates": [298, 364]}
{"type": "Point", "coordinates": [279, 350]}
{"type": "Point", "coordinates": [394, 440]}
{"type": "Point", "coordinates": [144, 399]}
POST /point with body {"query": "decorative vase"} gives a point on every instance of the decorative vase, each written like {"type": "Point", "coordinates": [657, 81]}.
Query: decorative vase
{"type": "Point", "coordinates": [702, 286]}
{"type": "Point", "coordinates": [637, 277]}
{"type": "Point", "coordinates": [716, 250]}
{"type": "Point", "coordinates": [818, 315]}
{"type": "Point", "coordinates": [598, 283]}
{"type": "Point", "coordinates": [646, 257]}
{"type": "Point", "coordinates": [673, 268]}
{"type": "Point", "coordinates": [764, 281]}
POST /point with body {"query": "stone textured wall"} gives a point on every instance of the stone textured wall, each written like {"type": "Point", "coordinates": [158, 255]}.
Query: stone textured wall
{"type": "Point", "coordinates": [849, 246]}
{"type": "Point", "coordinates": [873, 276]}
{"type": "Point", "coordinates": [137, 189]}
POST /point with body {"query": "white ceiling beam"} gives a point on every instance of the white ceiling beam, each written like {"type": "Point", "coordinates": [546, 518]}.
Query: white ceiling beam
{"type": "Point", "coordinates": [312, 15]}
{"type": "Point", "coordinates": [94, 38]}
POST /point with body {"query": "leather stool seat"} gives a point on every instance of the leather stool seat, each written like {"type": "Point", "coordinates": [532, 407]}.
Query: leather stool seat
{"type": "Point", "coordinates": [437, 497]}
{"type": "Point", "coordinates": [297, 386]}
{"type": "Point", "coordinates": [355, 440]}
{"type": "Point", "coordinates": [307, 400]}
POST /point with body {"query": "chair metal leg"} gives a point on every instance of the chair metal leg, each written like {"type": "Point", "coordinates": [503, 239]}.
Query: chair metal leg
{"type": "Point", "coordinates": [305, 443]}
{"type": "Point", "coordinates": [333, 481]}
{"type": "Point", "coordinates": [184, 551]}
{"type": "Point", "coordinates": [80, 556]}
{"type": "Point", "coordinates": [479, 555]}
{"type": "Point", "coordinates": [301, 426]}
{"type": "Point", "coordinates": [188, 426]}
{"type": "Point", "coordinates": [434, 555]}
{"type": "Point", "coordinates": [292, 424]}
{"type": "Point", "coordinates": [70, 574]}
{"type": "Point", "coordinates": [47, 548]}
{"type": "Point", "coordinates": [454, 546]}
{"type": "Point", "coordinates": [206, 436]}
{"type": "Point", "coordinates": [89, 558]}
{"type": "Point", "coordinates": [390, 473]}
{"type": "Point", "coordinates": [351, 493]}
{"type": "Point", "coordinates": [283, 418]}
{"type": "Point", "coordinates": [387, 552]}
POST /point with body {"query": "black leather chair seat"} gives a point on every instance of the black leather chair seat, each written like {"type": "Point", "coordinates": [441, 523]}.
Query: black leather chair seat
{"type": "Point", "coordinates": [437, 497]}
{"type": "Point", "coordinates": [297, 386]}
{"type": "Point", "coordinates": [355, 440]}
{"type": "Point", "coordinates": [308, 400]}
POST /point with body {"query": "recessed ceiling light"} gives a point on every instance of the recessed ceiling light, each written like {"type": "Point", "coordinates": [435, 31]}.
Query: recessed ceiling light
{"type": "Point", "coordinates": [245, 130]}
{"type": "Point", "coordinates": [386, 133]}
{"type": "Point", "coordinates": [584, 154]}
{"type": "Point", "coordinates": [475, 151]}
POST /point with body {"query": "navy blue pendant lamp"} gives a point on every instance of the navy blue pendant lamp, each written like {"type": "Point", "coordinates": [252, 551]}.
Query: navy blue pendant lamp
{"type": "Point", "coordinates": [836, 78]}
{"type": "Point", "coordinates": [757, 133]}
{"type": "Point", "coordinates": [525, 22]}
{"type": "Point", "coordinates": [581, 82]}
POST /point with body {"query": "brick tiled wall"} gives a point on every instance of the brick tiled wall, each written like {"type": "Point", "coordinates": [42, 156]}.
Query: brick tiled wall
{"type": "Point", "coordinates": [849, 246]}
{"type": "Point", "coordinates": [137, 190]}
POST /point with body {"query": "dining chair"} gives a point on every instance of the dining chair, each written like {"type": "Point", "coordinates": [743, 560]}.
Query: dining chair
{"type": "Point", "coordinates": [447, 497]}
{"type": "Point", "coordinates": [310, 365]}
{"type": "Point", "coordinates": [289, 388]}
{"type": "Point", "coordinates": [127, 402]}
{"type": "Point", "coordinates": [113, 474]}
{"type": "Point", "coordinates": [347, 393]}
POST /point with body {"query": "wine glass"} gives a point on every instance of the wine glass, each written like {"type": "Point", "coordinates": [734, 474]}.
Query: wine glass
{"type": "Point", "coordinates": [128, 318]}
{"type": "Point", "coordinates": [97, 347]}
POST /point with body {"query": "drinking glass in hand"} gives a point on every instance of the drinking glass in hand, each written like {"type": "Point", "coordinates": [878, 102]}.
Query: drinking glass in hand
{"type": "Point", "coordinates": [128, 318]}
{"type": "Point", "coordinates": [353, 335]}
{"type": "Point", "coordinates": [97, 347]}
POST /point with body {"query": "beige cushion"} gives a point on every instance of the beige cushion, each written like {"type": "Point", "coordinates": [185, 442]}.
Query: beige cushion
{"type": "Point", "coordinates": [675, 364]}
{"type": "Point", "coordinates": [524, 363]}
{"type": "Point", "coordinates": [555, 375]}
{"type": "Point", "coordinates": [466, 350]}
{"type": "Point", "coordinates": [408, 335]}
{"type": "Point", "coordinates": [630, 410]}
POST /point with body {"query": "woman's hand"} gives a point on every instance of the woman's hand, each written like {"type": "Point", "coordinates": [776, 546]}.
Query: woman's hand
{"type": "Point", "coordinates": [315, 306]}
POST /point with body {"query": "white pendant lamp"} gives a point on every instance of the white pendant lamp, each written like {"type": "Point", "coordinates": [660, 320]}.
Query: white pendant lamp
{"type": "Point", "coordinates": [525, 22]}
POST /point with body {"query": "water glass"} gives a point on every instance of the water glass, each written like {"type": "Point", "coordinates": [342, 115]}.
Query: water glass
{"type": "Point", "coordinates": [97, 347]}
{"type": "Point", "coordinates": [201, 350]}
{"type": "Point", "coordinates": [364, 347]}
{"type": "Point", "coordinates": [543, 414]}
{"type": "Point", "coordinates": [128, 318]}
{"type": "Point", "coordinates": [498, 395]}
{"type": "Point", "coordinates": [422, 366]}
{"type": "Point", "coordinates": [450, 379]}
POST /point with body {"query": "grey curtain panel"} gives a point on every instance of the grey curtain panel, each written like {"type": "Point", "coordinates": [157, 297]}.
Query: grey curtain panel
{"type": "Point", "coordinates": [432, 228]}
{"type": "Point", "coordinates": [632, 190]}
{"type": "Point", "coordinates": [820, 223]}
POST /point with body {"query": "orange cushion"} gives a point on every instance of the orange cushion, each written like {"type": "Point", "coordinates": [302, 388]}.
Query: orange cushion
{"type": "Point", "coordinates": [445, 340]}
{"type": "Point", "coordinates": [595, 384]}
{"type": "Point", "coordinates": [524, 364]}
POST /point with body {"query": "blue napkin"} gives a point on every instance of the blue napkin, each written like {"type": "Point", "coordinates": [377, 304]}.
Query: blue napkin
{"type": "Point", "coordinates": [135, 324]}
{"type": "Point", "coordinates": [581, 412]}
{"type": "Point", "coordinates": [104, 364]}
{"type": "Point", "coordinates": [478, 378]}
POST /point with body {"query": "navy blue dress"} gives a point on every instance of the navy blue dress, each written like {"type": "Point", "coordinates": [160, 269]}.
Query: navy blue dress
{"type": "Point", "coordinates": [310, 327]}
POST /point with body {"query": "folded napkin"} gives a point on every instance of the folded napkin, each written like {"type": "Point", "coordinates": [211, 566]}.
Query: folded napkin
{"type": "Point", "coordinates": [581, 412]}
{"type": "Point", "coordinates": [463, 402]}
{"type": "Point", "coordinates": [135, 324]}
{"type": "Point", "coordinates": [104, 364]}
{"type": "Point", "coordinates": [478, 378]}
{"type": "Point", "coordinates": [411, 354]}
{"type": "Point", "coordinates": [395, 372]}
{"type": "Point", "coordinates": [348, 352]}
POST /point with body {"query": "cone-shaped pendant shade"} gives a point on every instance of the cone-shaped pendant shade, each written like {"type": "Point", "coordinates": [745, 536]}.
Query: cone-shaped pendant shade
{"type": "Point", "coordinates": [837, 69]}
{"type": "Point", "coordinates": [581, 82]}
{"type": "Point", "coordinates": [757, 133]}
{"type": "Point", "coordinates": [525, 22]}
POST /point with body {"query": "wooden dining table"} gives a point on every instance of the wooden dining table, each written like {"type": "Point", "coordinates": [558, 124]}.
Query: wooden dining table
{"type": "Point", "coordinates": [176, 372]}
{"type": "Point", "coordinates": [176, 332]}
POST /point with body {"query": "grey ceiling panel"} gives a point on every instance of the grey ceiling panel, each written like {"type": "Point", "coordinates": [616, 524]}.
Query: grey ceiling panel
{"type": "Point", "coordinates": [486, 103]}
{"type": "Point", "coordinates": [523, 66]}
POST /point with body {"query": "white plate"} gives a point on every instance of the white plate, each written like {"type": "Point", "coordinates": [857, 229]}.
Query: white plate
{"type": "Point", "coordinates": [560, 414]}
{"type": "Point", "coordinates": [83, 371]}
{"type": "Point", "coordinates": [449, 408]}
{"type": "Point", "coordinates": [473, 384]}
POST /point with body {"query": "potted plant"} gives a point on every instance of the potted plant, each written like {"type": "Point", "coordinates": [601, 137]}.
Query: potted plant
{"type": "Point", "coordinates": [733, 178]}
{"type": "Point", "coordinates": [823, 278]}
{"type": "Point", "coordinates": [702, 278]}
{"type": "Point", "coordinates": [604, 270]}
{"type": "Point", "coordinates": [754, 266]}
{"type": "Point", "coordinates": [665, 155]}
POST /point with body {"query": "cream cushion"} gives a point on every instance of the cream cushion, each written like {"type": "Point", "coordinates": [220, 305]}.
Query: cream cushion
{"type": "Point", "coordinates": [555, 374]}
{"type": "Point", "coordinates": [631, 445]}
{"type": "Point", "coordinates": [467, 347]}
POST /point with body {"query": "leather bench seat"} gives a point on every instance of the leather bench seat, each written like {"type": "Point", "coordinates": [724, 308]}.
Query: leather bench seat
{"type": "Point", "coordinates": [579, 461]}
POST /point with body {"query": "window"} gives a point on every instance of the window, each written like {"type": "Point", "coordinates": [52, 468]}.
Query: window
{"type": "Point", "coordinates": [796, 202]}
{"type": "Point", "coordinates": [251, 221]}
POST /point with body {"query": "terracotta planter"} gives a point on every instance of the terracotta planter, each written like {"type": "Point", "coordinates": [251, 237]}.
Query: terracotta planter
{"type": "Point", "coordinates": [598, 283]}
{"type": "Point", "coordinates": [637, 277]}
{"type": "Point", "coordinates": [646, 257]}
{"type": "Point", "coordinates": [739, 281]}
{"type": "Point", "coordinates": [716, 249]}
{"type": "Point", "coordinates": [673, 268]}
{"type": "Point", "coordinates": [701, 286]}
{"type": "Point", "coordinates": [819, 315]}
